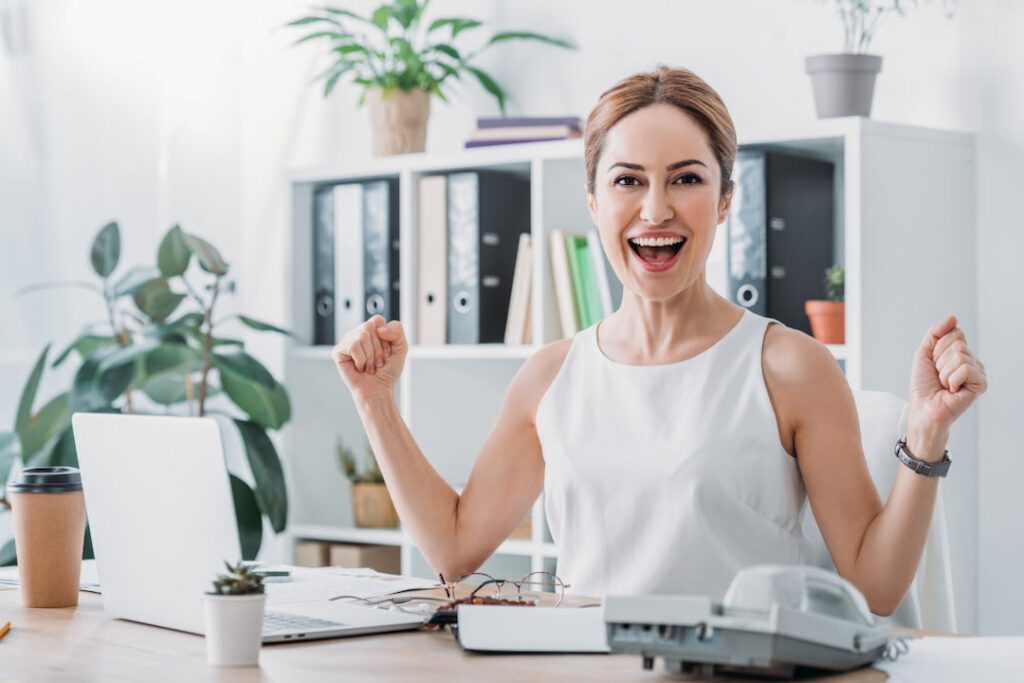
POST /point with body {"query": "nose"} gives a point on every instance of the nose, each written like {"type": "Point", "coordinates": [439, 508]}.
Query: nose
{"type": "Point", "coordinates": [656, 208]}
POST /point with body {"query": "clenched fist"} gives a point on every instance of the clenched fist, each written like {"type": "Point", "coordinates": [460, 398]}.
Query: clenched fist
{"type": "Point", "coordinates": [370, 357]}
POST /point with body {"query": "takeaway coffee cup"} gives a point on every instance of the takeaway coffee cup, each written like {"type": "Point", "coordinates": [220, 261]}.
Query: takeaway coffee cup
{"type": "Point", "coordinates": [49, 527]}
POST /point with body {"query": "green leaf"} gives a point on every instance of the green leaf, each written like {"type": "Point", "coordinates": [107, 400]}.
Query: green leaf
{"type": "Point", "coordinates": [64, 453]}
{"type": "Point", "coordinates": [8, 556]}
{"type": "Point", "coordinates": [240, 363]}
{"type": "Point", "coordinates": [268, 407]}
{"type": "Point", "coordinates": [380, 17]}
{"type": "Point", "coordinates": [106, 249]}
{"type": "Point", "coordinates": [271, 493]}
{"type": "Point", "coordinates": [458, 25]}
{"type": "Point", "coordinates": [93, 391]}
{"type": "Point", "coordinates": [168, 389]}
{"type": "Point", "coordinates": [156, 299]}
{"type": "Point", "coordinates": [84, 345]}
{"type": "Point", "coordinates": [262, 326]}
{"type": "Point", "coordinates": [406, 12]}
{"type": "Point", "coordinates": [127, 354]}
{"type": "Point", "coordinates": [171, 358]}
{"type": "Point", "coordinates": [10, 450]}
{"type": "Point", "coordinates": [135, 279]}
{"type": "Point", "coordinates": [209, 258]}
{"type": "Point", "coordinates": [44, 427]}
{"type": "Point", "coordinates": [173, 256]}
{"type": "Point", "coordinates": [28, 394]}
{"type": "Point", "coordinates": [446, 49]}
{"type": "Point", "coordinates": [336, 35]}
{"type": "Point", "coordinates": [247, 514]}
{"type": "Point", "coordinates": [526, 35]}
{"type": "Point", "coordinates": [489, 85]}
{"type": "Point", "coordinates": [312, 20]}
{"type": "Point", "coordinates": [347, 13]}
{"type": "Point", "coordinates": [87, 550]}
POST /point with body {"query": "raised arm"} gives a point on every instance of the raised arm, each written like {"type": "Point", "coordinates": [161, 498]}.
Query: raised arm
{"type": "Point", "coordinates": [877, 547]}
{"type": "Point", "coordinates": [455, 533]}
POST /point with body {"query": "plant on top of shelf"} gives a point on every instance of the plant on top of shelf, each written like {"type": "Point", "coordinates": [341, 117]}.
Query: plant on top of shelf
{"type": "Point", "coordinates": [371, 501]}
{"type": "Point", "coordinates": [828, 318]}
{"type": "Point", "coordinates": [844, 83]}
{"type": "Point", "coordinates": [159, 347]}
{"type": "Point", "coordinates": [399, 63]}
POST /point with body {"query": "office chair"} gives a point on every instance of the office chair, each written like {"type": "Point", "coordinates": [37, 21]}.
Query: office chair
{"type": "Point", "coordinates": [928, 603]}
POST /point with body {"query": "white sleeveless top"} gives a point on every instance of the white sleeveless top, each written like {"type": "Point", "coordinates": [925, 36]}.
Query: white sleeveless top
{"type": "Point", "coordinates": [667, 478]}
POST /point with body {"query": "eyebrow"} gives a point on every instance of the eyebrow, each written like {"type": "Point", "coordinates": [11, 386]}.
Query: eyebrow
{"type": "Point", "coordinates": [669, 168]}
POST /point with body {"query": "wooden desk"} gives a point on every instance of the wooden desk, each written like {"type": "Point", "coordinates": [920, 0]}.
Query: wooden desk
{"type": "Point", "coordinates": [83, 644]}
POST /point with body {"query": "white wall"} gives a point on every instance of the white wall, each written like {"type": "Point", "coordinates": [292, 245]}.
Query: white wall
{"type": "Point", "coordinates": [156, 113]}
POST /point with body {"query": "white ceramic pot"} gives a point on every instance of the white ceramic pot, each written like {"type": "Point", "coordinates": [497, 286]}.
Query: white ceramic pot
{"type": "Point", "coordinates": [844, 84]}
{"type": "Point", "coordinates": [234, 629]}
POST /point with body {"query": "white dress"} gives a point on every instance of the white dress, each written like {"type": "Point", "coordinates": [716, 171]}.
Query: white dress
{"type": "Point", "coordinates": [667, 478]}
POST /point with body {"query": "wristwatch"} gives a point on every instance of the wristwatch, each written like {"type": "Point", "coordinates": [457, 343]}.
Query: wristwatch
{"type": "Point", "coordinates": [928, 469]}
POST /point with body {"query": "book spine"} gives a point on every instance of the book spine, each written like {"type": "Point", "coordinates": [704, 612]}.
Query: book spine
{"type": "Point", "coordinates": [377, 250]}
{"type": "Point", "coordinates": [463, 259]}
{"type": "Point", "coordinates": [524, 132]}
{"type": "Point", "coordinates": [492, 143]}
{"type": "Point", "coordinates": [515, 326]}
{"type": "Point", "coordinates": [323, 267]}
{"type": "Point", "coordinates": [563, 283]}
{"type": "Point", "coordinates": [598, 262]}
{"type": "Point", "coordinates": [576, 275]}
{"type": "Point", "coordinates": [512, 122]}
{"type": "Point", "coordinates": [593, 301]}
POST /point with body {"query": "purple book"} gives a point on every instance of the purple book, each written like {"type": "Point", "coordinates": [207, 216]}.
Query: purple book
{"type": "Point", "coordinates": [491, 143]}
{"type": "Point", "coordinates": [506, 122]}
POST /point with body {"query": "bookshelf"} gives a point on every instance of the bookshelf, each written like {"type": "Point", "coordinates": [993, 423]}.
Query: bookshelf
{"type": "Point", "coordinates": [904, 221]}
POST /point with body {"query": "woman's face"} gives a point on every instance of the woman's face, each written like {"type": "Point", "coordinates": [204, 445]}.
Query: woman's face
{"type": "Point", "coordinates": [656, 201]}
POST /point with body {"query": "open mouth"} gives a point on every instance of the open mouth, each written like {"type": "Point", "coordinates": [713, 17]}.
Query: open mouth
{"type": "Point", "coordinates": [657, 251]}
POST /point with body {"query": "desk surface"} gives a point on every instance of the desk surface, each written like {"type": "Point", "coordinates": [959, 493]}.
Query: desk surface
{"type": "Point", "coordinates": [83, 644]}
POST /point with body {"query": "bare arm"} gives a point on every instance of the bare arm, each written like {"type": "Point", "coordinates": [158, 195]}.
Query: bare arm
{"type": "Point", "coordinates": [877, 547]}
{"type": "Point", "coordinates": [456, 534]}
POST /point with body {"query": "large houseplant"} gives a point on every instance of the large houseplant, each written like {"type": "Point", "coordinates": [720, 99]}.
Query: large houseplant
{"type": "Point", "coordinates": [399, 64]}
{"type": "Point", "coordinates": [159, 347]}
{"type": "Point", "coordinates": [844, 83]}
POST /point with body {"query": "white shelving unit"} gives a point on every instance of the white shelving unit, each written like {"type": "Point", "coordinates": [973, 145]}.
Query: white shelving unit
{"type": "Point", "coordinates": [904, 221]}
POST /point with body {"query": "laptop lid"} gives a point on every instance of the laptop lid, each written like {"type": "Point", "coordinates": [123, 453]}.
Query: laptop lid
{"type": "Point", "coordinates": [160, 513]}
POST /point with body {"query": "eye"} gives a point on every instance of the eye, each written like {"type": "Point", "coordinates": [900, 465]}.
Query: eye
{"type": "Point", "coordinates": [627, 177]}
{"type": "Point", "coordinates": [688, 179]}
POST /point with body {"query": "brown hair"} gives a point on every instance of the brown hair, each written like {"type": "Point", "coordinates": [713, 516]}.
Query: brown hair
{"type": "Point", "coordinates": [679, 87]}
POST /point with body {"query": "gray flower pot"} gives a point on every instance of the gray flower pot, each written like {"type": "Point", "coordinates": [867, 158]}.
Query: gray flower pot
{"type": "Point", "coordinates": [844, 84]}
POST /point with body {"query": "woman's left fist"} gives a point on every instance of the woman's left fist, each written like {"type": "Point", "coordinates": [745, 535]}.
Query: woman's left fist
{"type": "Point", "coordinates": [945, 377]}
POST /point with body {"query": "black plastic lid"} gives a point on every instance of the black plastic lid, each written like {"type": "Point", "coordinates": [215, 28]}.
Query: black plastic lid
{"type": "Point", "coordinates": [46, 480]}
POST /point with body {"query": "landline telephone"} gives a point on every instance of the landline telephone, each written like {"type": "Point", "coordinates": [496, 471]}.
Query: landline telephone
{"type": "Point", "coordinates": [772, 620]}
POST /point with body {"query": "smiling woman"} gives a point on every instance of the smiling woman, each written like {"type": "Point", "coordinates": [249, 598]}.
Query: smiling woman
{"type": "Point", "coordinates": [677, 439]}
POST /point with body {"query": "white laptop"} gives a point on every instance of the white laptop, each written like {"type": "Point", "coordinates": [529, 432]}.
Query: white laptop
{"type": "Point", "coordinates": [163, 523]}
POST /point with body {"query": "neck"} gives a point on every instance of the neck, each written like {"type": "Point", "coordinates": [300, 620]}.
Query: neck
{"type": "Point", "coordinates": [658, 329]}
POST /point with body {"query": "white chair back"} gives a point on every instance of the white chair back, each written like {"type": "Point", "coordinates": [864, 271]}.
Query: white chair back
{"type": "Point", "coordinates": [929, 602]}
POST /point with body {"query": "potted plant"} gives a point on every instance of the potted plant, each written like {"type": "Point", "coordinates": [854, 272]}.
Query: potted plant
{"type": "Point", "coordinates": [828, 318]}
{"type": "Point", "coordinates": [371, 502]}
{"type": "Point", "coordinates": [844, 83]}
{"type": "Point", "coordinates": [399, 64]}
{"type": "Point", "coordinates": [234, 617]}
{"type": "Point", "coordinates": [160, 347]}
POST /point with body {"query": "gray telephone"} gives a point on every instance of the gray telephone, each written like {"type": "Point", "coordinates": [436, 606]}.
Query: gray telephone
{"type": "Point", "coordinates": [772, 619]}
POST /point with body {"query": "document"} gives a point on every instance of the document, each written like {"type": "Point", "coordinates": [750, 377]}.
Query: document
{"type": "Point", "coordinates": [497, 628]}
{"type": "Point", "coordinates": [324, 583]}
{"type": "Point", "coordinates": [936, 660]}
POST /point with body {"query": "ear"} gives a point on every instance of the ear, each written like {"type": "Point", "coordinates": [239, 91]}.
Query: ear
{"type": "Point", "coordinates": [724, 205]}
{"type": "Point", "coordinates": [592, 206]}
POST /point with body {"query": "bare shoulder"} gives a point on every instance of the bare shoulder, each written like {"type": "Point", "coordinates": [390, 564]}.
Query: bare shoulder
{"type": "Point", "coordinates": [803, 378]}
{"type": "Point", "coordinates": [536, 375]}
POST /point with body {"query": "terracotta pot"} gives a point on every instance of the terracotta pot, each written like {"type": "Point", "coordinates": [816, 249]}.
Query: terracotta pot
{"type": "Point", "coordinates": [399, 120]}
{"type": "Point", "coordinates": [828, 320]}
{"type": "Point", "coordinates": [373, 507]}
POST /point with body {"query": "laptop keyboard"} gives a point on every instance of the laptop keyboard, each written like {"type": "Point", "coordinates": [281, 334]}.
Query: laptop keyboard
{"type": "Point", "coordinates": [275, 623]}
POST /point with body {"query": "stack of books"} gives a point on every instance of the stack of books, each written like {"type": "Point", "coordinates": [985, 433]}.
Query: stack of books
{"type": "Point", "coordinates": [511, 131]}
{"type": "Point", "coordinates": [581, 278]}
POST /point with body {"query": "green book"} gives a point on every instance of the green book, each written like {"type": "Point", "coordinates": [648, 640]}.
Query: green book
{"type": "Point", "coordinates": [593, 299]}
{"type": "Point", "coordinates": [572, 250]}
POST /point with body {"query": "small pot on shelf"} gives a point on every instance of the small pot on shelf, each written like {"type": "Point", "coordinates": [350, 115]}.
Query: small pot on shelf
{"type": "Point", "coordinates": [828, 320]}
{"type": "Point", "coordinates": [372, 506]}
{"type": "Point", "coordinates": [843, 84]}
{"type": "Point", "coordinates": [399, 120]}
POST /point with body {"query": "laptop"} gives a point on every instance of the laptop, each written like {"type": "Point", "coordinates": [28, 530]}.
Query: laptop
{"type": "Point", "coordinates": [163, 522]}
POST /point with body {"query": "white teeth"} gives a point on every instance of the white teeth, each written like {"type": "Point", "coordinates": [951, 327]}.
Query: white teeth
{"type": "Point", "coordinates": [656, 241]}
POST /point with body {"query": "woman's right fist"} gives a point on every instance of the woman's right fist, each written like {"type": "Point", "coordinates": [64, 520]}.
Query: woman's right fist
{"type": "Point", "coordinates": [370, 357]}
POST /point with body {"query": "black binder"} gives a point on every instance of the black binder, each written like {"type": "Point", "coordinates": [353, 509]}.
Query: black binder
{"type": "Point", "coordinates": [487, 211]}
{"type": "Point", "coordinates": [323, 266]}
{"type": "Point", "coordinates": [780, 232]}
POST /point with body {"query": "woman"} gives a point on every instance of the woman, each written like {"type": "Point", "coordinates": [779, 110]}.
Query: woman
{"type": "Point", "coordinates": [675, 439]}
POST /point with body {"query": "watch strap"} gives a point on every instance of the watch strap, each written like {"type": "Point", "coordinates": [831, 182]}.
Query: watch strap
{"type": "Point", "coordinates": [928, 469]}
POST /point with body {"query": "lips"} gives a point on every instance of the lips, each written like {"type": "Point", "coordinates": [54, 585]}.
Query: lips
{"type": "Point", "coordinates": [657, 259]}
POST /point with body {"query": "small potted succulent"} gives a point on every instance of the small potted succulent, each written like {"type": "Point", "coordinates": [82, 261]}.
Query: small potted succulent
{"type": "Point", "coordinates": [371, 502]}
{"type": "Point", "coordinates": [234, 617]}
{"type": "Point", "coordinates": [844, 83]}
{"type": "Point", "coordinates": [399, 62]}
{"type": "Point", "coordinates": [828, 318]}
